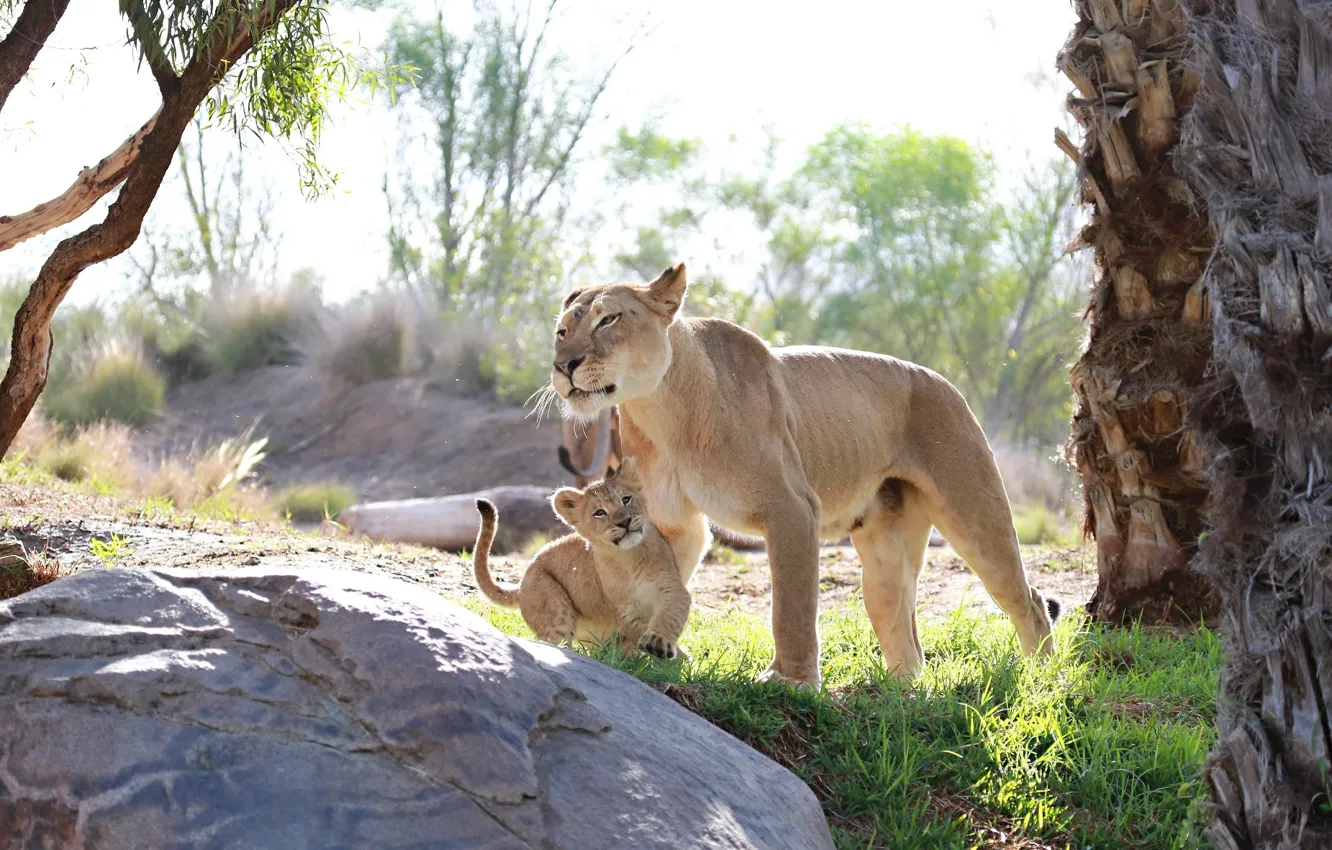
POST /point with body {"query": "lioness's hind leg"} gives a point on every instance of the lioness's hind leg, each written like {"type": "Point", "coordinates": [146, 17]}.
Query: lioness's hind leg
{"type": "Point", "coordinates": [891, 543]}
{"type": "Point", "coordinates": [978, 523]}
{"type": "Point", "coordinates": [547, 608]}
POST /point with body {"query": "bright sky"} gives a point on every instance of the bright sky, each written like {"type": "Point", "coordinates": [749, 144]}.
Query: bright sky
{"type": "Point", "coordinates": [714, 68]}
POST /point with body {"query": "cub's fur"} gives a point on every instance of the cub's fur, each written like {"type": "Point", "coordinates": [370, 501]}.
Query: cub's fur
{"type": "Point", "coordinates": [614, 575]}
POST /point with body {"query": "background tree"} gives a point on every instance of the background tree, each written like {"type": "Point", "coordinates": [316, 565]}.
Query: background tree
{"type": "Point", "coordinates": [491, 238]}
{"type": "Point", "coordinates": [274, 66]}
{"type": "Point", "coordinates": [1148, 340]}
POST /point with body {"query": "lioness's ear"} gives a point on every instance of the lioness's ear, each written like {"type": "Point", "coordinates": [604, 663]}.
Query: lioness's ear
{"type": "Point", "coordinates": [667, 293]}
{"type": "Point", "coordinates": [629, 476]}
{"type": "Point", "coordinates": [568, 504]}
{"type": "Point", "coordinates": [569, 299]}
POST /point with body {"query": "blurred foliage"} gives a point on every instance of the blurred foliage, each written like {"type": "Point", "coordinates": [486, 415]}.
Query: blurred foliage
{"type": "Point", "coordinates": [894, 243]}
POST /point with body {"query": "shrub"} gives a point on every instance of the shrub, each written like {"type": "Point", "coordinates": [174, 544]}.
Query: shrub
{"type": "Point", "coordinates": [258, 327]}
{"type": "Point", "coordinates": [367, 341]}
{"type": "Point", "coordinates": [113, 383]}
{"type": "Point", "coordinates": [314, 502]}
{"type": "Point", "coordinates": [521, 366]}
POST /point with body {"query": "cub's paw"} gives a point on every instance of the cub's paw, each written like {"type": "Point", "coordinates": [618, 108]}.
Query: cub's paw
{"type": "Point", "coordinates": [658, 645]}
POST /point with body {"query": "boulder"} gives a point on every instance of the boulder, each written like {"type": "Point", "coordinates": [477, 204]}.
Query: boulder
{"type": "Point", "coordinates": [327, 708]}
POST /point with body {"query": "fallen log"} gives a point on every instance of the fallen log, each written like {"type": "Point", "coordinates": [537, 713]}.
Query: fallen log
{"type": "Point", "coordinates": [450, 522]}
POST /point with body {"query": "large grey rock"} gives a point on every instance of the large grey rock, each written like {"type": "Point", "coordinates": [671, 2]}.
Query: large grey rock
{"type": "Point", "coordinates": [251, 709]}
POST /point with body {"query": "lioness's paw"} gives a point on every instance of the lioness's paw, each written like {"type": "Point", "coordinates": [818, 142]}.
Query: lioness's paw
{"type": "Point", "coordinates": [658, 645]}
{"type": "Point", "coordinates": [772, 674]}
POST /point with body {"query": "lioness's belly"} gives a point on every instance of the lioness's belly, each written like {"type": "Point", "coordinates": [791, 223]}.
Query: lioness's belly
{"type": "Point", "coordinates": [853, 415]}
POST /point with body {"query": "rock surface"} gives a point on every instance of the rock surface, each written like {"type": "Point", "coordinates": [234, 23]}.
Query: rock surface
{"type": "Point", "coordinates": [256, 709]}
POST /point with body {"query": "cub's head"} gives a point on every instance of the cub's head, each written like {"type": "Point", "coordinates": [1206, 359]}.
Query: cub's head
{"type": "Point", "coordinates": [609, 512]}
{"type": "Point", "coordinates": [611, 342]}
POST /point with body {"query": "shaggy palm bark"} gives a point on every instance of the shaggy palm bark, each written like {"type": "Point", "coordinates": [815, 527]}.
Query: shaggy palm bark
{"type": "Point", "coordinates": [1258, 147]}
{"type": "Point", "coordinates": [1149, 341]}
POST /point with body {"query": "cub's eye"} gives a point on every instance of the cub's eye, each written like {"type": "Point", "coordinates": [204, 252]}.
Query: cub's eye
{"type": "Point", "coordinates": [626, 500]}
{"type": "Point", "coordinates": [607, 321]}
{"type": "Point", "coordinates": [559, 334]}
{"type": "Point", "coordinates": [599, 513]}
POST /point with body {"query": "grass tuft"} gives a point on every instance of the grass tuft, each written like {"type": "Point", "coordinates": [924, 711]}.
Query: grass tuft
{"type": "Point", "coordinates": [314, 502]}
{"type": "Point", "coordinates": [114, 383]}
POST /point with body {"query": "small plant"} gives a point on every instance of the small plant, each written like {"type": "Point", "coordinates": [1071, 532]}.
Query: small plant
{"type": "Point", "coordinates": [110, 551]}
{"type": "Point", "coordinates": [314, 502]}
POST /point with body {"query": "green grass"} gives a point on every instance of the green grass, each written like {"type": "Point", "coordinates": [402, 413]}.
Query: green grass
{"type": "Point", "coordinates": [314, 502]}
{"type": "Point", "coordinates": [1100, 747]}
{"type": "Point", "coordinates": [1036, 525]}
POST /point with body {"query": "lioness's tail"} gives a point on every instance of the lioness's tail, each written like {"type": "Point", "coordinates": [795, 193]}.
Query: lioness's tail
{"type": "Point", "coordinates": [507, 597]}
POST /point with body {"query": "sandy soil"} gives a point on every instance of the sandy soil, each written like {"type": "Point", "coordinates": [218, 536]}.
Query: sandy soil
{"type": "Point", "coordinates": [61, 524]}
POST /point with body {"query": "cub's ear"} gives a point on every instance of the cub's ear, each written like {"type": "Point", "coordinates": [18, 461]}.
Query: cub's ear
{"type": "Point", "coordinates": [667, 293]}
{"type": "Point", "coordinates": [629, 475]}
{"type": "Point", "coordinates": [569, 299]}
{"type": "Point", "coordinates": [568, 504]}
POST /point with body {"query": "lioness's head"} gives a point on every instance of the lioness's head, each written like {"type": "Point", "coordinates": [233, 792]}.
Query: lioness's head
{"type": "Point", "coordinates": [609, 512]}
{"type": "Point", "coordinates": [611, 343]}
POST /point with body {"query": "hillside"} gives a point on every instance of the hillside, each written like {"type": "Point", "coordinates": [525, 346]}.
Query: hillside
{"type": "Point", "coordinates": [386, 440]}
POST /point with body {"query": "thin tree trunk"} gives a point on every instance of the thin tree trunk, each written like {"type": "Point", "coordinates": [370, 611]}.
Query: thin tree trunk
{"type": "Point", "coordinates": [31, 344]}
{"type": "Point", "coordinates": [1257, 148]}
{"type": "Point", "coordinates": [1148, 342]}
{"type": "Point", "coordinates": [25, 40]}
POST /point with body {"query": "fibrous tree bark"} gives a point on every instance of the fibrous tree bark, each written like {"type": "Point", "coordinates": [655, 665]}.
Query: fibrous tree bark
{"type": "Point", "coordinates": [1257, 147]}
{"type": "Point", "coordinates": [1142, 467]}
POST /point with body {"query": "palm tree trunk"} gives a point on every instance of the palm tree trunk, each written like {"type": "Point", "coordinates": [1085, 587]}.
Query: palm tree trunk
{"type": "Point", "coordinates": [1149, 342]}
{"type": "Point", "coordinates": [1257, 147]}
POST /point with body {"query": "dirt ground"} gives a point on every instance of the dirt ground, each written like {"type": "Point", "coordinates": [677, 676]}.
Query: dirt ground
{"type": "Point", "coordinates": [60, 524]}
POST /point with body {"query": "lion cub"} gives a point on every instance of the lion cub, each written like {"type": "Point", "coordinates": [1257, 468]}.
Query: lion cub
{"type": "Point", "coordinates": [615, 574]}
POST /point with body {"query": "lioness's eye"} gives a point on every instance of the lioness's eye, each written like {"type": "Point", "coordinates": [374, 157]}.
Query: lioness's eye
{"type": "Point", "coordinates": [607, 321]}
{"type": "Point", "coordinates": [626, 500]}
{"type": "Point", "coordinates": [599, 513]}
{"type": "Point", "coordinates": [559, 334]}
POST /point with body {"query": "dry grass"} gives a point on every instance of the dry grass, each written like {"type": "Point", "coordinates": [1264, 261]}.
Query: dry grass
{"type": "Point", "coordinates": [20, 573]}
{"type": "Point", "coordinates": [216, 481]}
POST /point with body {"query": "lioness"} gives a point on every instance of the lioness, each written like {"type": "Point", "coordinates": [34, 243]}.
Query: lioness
{"type": "Point", "coordinates": [614, 574]}
{"type": "Point", "coordinates": [795, 445]}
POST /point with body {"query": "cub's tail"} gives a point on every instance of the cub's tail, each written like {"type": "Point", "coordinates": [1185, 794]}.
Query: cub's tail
{"type": "Point", "coordinates": [504, 596]}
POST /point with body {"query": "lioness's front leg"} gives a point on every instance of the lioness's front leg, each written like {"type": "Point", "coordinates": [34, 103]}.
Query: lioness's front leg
{"type": "Point", "coordinates": [688, 536]}
{"type": "Point", "coordinates": [792, 532]}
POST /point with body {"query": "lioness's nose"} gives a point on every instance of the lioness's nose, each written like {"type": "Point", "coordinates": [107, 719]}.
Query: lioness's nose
{"type": "Point", "coordinates": [626, 523]}
{"type": "Point", "coordinates": [568, 366]}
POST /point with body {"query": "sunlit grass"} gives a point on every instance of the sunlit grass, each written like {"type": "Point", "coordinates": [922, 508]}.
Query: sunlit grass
{"type": "Point", "coordinates": [1099, 747]}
